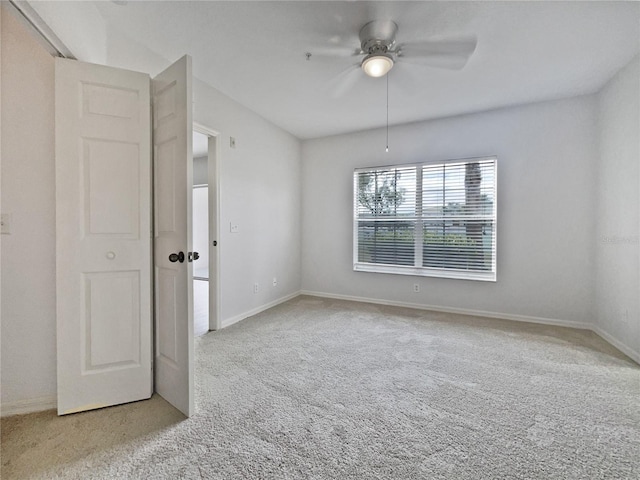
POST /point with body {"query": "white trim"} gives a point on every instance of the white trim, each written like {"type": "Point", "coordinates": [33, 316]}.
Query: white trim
{"type": "Point", "coordinates": [31, 405]}
{"type": "Point", "coordinates": [214, 204]}
{"type": "Point", "coordinates": [454, 161]}
{"type": "Point", "coordinates": [626, 349]}
{"type": "Point", "coordinates": [460, 311]}
{"type": "Point", "coordinates": [215, 211]}
{"type": "Point", "coordinates": [198, 127]}
{"type": "Point", "coordinates": [230, 321]}
{"type": "Point", "coordinates": [47, 403]}
{"type": "Point", "coordinates": [426, 271]}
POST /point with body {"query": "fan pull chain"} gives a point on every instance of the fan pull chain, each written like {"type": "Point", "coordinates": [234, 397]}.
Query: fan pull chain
{"type": "Point", "coordinates": [387, 148]}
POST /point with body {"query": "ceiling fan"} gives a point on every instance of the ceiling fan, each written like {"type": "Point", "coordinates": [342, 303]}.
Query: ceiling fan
{"type": "Point", "coordinates": [381, 52]}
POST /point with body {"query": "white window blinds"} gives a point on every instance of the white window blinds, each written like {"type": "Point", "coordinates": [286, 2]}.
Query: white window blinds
{"type": "Point", "coordinates": [431, 219]}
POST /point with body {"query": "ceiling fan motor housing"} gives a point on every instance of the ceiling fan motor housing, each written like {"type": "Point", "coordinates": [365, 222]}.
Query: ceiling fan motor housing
{"type": "Point", "coordinates": [378, 37]}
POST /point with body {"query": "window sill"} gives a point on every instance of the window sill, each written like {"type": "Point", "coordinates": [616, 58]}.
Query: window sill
{"type": "Point", "coordinates": [425, 272]}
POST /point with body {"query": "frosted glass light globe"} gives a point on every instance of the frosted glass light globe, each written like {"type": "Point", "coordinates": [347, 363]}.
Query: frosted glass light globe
{"type": "Point", "coordinates": [377, 65]}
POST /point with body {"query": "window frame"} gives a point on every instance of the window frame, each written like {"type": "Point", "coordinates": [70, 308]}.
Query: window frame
{"type": "Point", "coordinates": [486, 276]}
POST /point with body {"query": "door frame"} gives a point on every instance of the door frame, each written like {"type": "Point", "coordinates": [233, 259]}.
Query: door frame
{"type": "Point", "coordinates": [213, 180]}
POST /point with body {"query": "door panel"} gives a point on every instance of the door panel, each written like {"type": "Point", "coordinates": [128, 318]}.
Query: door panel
{"type": "Point", "coordinates": [172, 143]}
{"type": "Point", "coordinates": [111, 172]}
{"type": "Point", "coordinates": [103, 244]}
{"type": "Point", "coordinates": [112, 322]}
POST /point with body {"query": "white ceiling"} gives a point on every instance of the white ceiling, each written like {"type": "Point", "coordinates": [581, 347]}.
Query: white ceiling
{"type": "Point", "coordinates": [254, 52]}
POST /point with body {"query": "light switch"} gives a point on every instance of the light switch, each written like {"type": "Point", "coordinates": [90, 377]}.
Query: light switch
{"type": "Point", "coordinates": [5, 223]}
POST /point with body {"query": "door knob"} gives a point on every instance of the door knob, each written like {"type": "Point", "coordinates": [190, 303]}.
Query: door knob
{"type": "Point", "coordinates": [177, 257]}
{"type": "Point", "coordinates": [193, 256]}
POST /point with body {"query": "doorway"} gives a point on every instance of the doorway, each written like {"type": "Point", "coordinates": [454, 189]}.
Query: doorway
{"type": "Point", "coordinates": [204, 231]}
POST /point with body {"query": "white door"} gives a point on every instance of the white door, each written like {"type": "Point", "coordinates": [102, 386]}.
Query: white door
{"type": "Point", "coordinates": [172, 147]}
{"type": "Point", "coordinates": [103, 236]}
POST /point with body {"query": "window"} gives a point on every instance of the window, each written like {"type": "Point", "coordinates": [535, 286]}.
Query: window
{"type": "Point", "coordinates": [429, 219]}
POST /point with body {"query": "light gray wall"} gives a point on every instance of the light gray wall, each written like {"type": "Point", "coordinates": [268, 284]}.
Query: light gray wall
{"type": "Point", "coordinates": [546, 165]}
{"type": "Point", "coordinates": [28, 194]}
{"type": "Point", "coordinates": [259, 192]}
{"type": "Point", "coordinates": [618, 213]}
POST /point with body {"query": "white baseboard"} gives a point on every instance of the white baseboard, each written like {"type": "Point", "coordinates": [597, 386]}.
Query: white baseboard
{"type": "Point", "coordinates": [627, 350]}
{"type": "Point", "coordinates": [28, 406]}
{"type": "Point", "coordinates": [230, 321]}
{"type": "Point", "coordinates": [630, 352]}
{"type": "Point", "coordinates": [46, 403]}
{"type": "Point", "coordinates": [461, 311]}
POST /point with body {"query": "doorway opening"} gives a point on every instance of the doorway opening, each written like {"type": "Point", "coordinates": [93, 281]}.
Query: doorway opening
{"type": "Point", "coordinates": [205, 231]}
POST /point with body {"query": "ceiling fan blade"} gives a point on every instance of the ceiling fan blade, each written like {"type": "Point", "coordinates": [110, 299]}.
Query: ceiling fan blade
{"type": "Point", "coordinates": [441, 45]}
{"type": "Point", "coordinates": [446, 62]}
{"type": "Point", "coordinates": [332, 53]}
{"type": "Point", "coordinates": [440, 53]}
{"type": "Point", "coordinates": [344, 81]}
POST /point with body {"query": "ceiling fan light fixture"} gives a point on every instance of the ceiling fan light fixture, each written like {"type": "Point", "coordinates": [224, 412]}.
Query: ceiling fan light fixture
{"type": "Point", "coordinates": [377, 65]}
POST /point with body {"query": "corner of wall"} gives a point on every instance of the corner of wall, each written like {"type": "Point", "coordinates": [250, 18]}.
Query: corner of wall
{"type": "Point", "coordinates": [617, 236]}
{"type": "Point", "coordinates": [259, 192]}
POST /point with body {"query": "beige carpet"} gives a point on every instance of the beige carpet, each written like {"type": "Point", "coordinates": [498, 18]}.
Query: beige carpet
{"type": "Point", "coordinates": [328, 389]}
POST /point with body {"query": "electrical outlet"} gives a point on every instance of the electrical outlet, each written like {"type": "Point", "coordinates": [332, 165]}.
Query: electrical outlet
{"type": "Point", "coordinates": [234, 228]}
{"type": "Point", "coordinates": [416, 288]}
{"type": "Point", "coordinates": [275, 281]}
{"type": "Point", "coordinates": [5, 223]}
{"type": "Point", "coordinates": [256, 288]}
